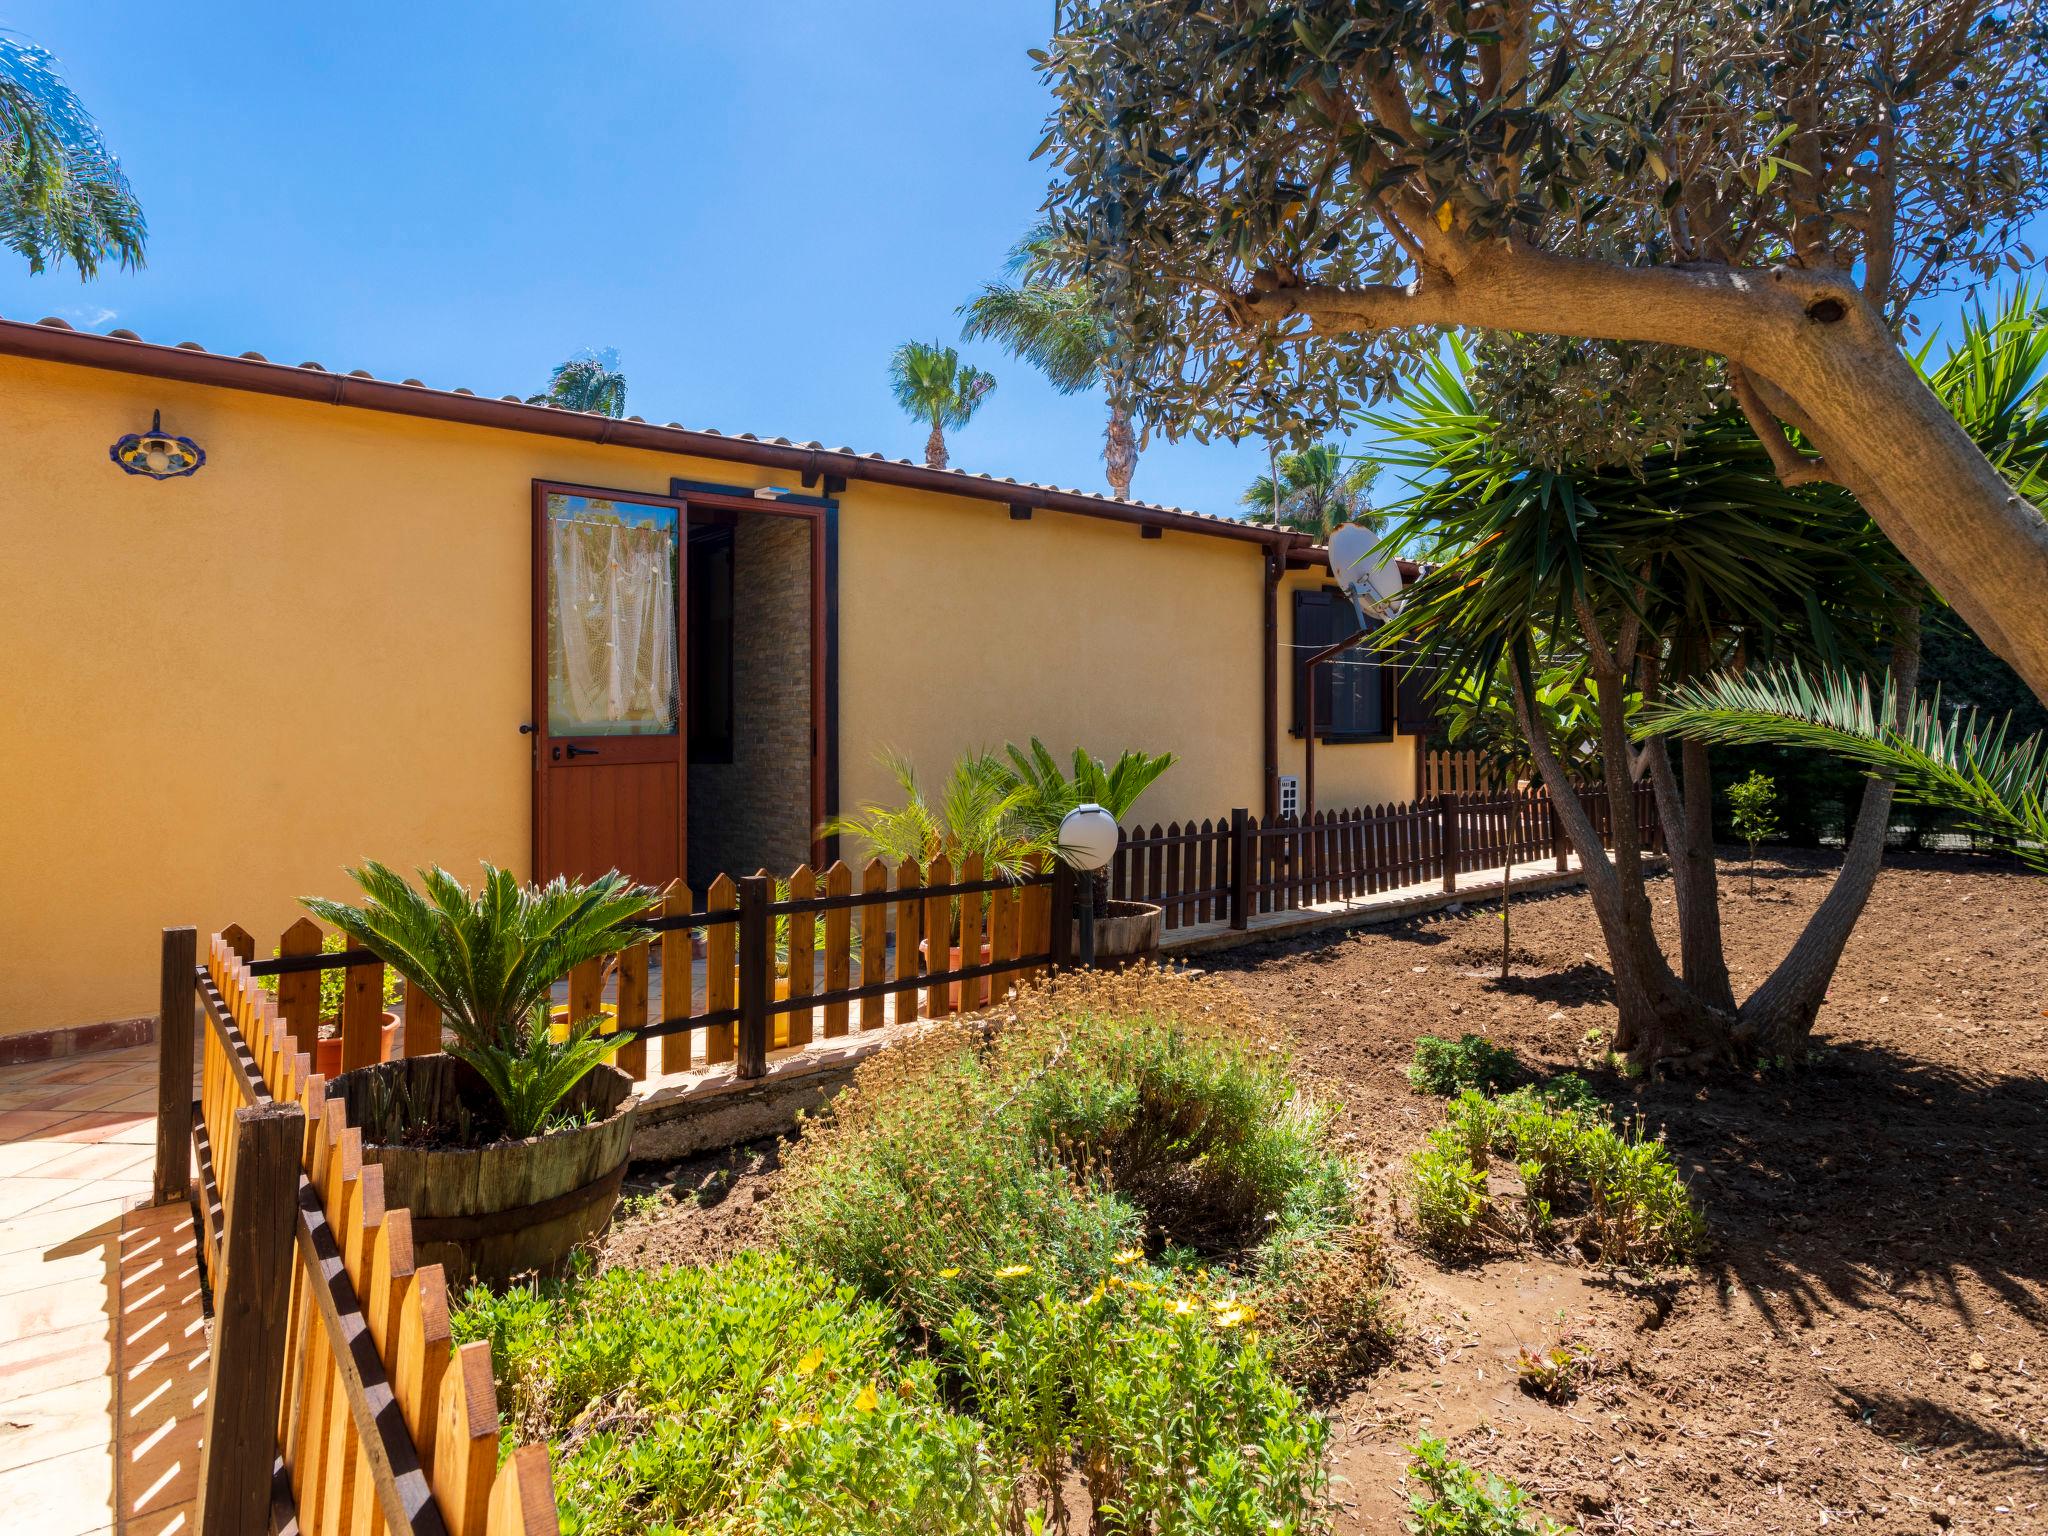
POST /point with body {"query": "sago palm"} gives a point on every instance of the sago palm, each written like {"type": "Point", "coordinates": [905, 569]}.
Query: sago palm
{"type": "Point", "coordinates": [1966, 765]}
{"type": "Point", "coordinates": [489, 960]}
{"type": "Point", "coordinates": [933, 385]}
{"type": "Point", "coordinates": [591, 382]}
{"type": "Point", "coordinates": [62, 194]}
{"type": "Point", "coordinates": [980, 812]}
{"type": "Point", "coordinates": [1113, 786]}
{"type": "Point", "coordinates": [1056, 323]}
{"type": "Point", "coordinates": [1314, 493]}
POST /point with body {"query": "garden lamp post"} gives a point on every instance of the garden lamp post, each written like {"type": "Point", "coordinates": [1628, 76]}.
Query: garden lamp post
{"type": "Point", "coordinates": [1087, 843]}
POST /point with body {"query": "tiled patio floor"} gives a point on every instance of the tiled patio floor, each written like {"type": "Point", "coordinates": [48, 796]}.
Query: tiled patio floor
{"type": "Point", "coordinates": [102, 1346]}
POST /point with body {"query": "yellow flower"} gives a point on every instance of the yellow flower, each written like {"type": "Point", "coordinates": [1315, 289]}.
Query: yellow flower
{"type": "Point", "coordinates": [1139, 1285]}
{"type": "Point", "coordinates": [867, 1402]}
{"type": "Point", "coordinates": [1127, 1256]}
{"type": "Point", "coordinates": [1182, 1306]}
{"type": "Point", "coordinates": [1234, 1316]}
{"type": "Point", "coordinates": [950, 1272]}
{"type": "Point", "coordinates": [810, 1362]}
{"type": "Point", "coordinates": [1013, 1272]}
{"type": "Point", "coordinates": [790, 1426]}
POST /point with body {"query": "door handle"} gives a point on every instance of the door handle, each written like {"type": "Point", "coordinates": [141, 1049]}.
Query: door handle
{"type": "Point", "coordinates": [575, 751]}
{"type": "Point", "coordinates": [528, 729]}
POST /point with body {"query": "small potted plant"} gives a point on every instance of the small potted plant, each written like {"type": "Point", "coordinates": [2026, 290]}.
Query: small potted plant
{"type": "Point", "coordinates": [509, 1148]}
{"type": "Point", "coordinates": [333, 985]}
{"type": "Point", "coordinates": [1125, 931]}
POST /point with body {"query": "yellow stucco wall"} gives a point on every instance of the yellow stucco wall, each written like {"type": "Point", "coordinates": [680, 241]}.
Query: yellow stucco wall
{"type": "Point", "coordinates": [1347, 773]}
{"type": "Point", "coordinates": [214, 692]}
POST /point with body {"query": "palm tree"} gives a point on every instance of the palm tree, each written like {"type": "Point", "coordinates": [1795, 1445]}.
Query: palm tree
{"type": "Point", "coordinates": [591, 382]}
{"type": "Point", "coordinates": [62, 194]}
{"type": "Point", "coordinates": [932, 384]}
{"type": "Point", "coordinates": [1312, 492]}
{"type": "Point", "coordinates": [1057, 325]}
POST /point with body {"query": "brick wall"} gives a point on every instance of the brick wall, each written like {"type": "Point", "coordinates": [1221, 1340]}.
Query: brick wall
{"type": "Point", "coordinates": [755, 812]}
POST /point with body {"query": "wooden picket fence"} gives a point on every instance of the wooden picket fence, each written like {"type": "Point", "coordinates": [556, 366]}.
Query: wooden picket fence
{"type": "Point", "coordinates": [337, 1401]}
{"type": "Point", "coordinates": [1230, 869]}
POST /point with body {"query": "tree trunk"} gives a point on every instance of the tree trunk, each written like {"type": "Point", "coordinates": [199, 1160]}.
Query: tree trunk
{"type": "Point", "coordinates": [935, 448]}
{"type": "Point", "coordinates": [1832, 368]}
{"type": "Point", "coordinates": [1120, 450]}
{"type": "Point", "coordinates": [1777, 1018]}
{"type": "Point", "coordinates": [1657, 1015]}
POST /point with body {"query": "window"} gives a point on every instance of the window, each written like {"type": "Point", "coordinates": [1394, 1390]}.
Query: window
{"type": "Point", "coordinates": [711, 647]}
{"type": "Point", "coordinates": [1352, 688]}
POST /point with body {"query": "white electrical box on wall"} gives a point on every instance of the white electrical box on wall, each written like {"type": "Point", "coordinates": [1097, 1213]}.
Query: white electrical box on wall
{"type": "Point", "coordinates": [1290, 795]}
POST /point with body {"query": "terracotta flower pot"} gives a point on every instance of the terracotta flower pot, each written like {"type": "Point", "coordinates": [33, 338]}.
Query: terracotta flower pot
{"type": "Point", "coordinates": [327, 1049]}
{"type": "Point", "coordinates": [952, 964]}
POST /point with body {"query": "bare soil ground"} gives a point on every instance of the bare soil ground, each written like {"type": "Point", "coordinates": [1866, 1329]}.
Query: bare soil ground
{"type": "Point", "coordinates": [1866, 1344]}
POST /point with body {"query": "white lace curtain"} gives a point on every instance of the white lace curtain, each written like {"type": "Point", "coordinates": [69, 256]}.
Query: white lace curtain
{"type": "Point", "coordinates": [613, 667]}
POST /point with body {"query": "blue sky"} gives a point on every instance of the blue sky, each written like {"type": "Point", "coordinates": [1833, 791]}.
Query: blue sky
{"type": "Point", "coordinates": [753, 204]}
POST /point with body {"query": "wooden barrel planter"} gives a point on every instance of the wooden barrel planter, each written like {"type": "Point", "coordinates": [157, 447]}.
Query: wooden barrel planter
{"type": "Point", "coordinates": [1126, 934]}
{"type": "Point", "coordinates": [492, 1211]}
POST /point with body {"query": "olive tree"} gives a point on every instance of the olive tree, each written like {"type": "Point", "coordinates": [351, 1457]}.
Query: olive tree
{"type": "Point", "coordinates": [1291, 201]}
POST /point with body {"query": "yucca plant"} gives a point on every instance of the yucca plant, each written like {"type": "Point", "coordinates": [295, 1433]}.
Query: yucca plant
{"type": "Point", "coordinates": [489, 960]}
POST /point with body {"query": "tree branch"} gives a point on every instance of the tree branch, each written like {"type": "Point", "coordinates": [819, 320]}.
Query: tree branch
{"type": "Point", "coordinates": [1793, 468]}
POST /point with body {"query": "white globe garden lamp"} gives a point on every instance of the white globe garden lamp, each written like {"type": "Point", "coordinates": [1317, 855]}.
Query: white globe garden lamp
{"type": "Point", "coordinates": [1088, 843]}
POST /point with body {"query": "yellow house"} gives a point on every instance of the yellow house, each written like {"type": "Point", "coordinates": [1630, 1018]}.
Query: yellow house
{"type": "Point", "coordinates": [417, 624]}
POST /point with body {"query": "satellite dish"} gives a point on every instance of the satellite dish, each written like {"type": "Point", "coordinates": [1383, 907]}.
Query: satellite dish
{"type": "Point", "coordinates": [1370, 584]}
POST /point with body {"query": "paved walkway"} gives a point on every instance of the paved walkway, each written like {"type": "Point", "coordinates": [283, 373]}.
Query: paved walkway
{"type": "Point", "coordinates": [102, 1346]}
{"type": "Point", "coordinates": [1531, 878]}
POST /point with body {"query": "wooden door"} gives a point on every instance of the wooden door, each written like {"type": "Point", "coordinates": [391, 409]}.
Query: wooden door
{"type": "Point", "coordinates": [608, 671]}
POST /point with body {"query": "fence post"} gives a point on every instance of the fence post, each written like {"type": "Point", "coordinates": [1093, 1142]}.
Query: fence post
{"type": "Point", "coordinates": [756, 950]}
{"type": "Point", "coordinates": [1560, 845]}
{"type": "Point", "coordinates": [251, 1303]}
{"type": "Point", "coordinates": [1240, 868]}
{"type": "Point", "coordinates": [1447, 821]}
{"type": "Point", "coordinates": [1062, 923]}
{"type": "Point", "coordinates": [174, 1066]}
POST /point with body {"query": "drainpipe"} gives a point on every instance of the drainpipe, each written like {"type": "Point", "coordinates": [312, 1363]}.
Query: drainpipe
{"type": "Point", "coordinates": [1276, 561]}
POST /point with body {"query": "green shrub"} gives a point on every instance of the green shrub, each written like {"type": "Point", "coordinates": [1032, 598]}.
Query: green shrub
{"type": "Point", "coordinates": [754, 1397]}
{"type": "Point", "coordinates": [1613, 1191]}
{"type": "Point", "coordinates": [1443, 1067]}
{"type": "Point", "coordinates": [1160, 1393]}
{"type": "Point", "coordinates": [1455, 1501]}
{"type": "Point", "coordinates": [1108, 1115]}
{"type": "Point", "coordinates": [1449, 1193]}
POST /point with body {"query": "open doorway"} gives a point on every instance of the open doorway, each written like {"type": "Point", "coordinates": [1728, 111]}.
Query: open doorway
{"type": "Point", "coordinates": [753, 690]}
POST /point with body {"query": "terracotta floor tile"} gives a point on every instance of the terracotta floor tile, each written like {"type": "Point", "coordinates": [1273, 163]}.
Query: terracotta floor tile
{"type": "Point", "coordinates": [67, 1495]}
{"type": "Point", "coordinates": [178, 1520]}
{"type": "Point", "coordinates": [157, 1472]}
{"type": "Point", "coordinates": [48, 1308]}
{"type": "Point", "coordinates": [76, 1099]}
{"type": "Point", "coordinates": [49, 1360]}
{"type": "Point", "coordinates": [142, 1102]}
{"type": "Point", "coordinates": [98, 1125]}
{"type": "Point", "coordinates": [166, 1396]}
{"type": "Point", "coordinates": [91, 1262]}
{"type": "Point", "coordinates": [18, 1123]}
{"type": "Point", "coordinates": [63, 1419]}
{"type": "Point", "coordinates": [52, 1229]}
{"type": "Point", "coordinates": [127, 1193]}
{"type": "Point", "coordinates": [19, 1196]}
{"type": "Point", "coordinates": [29, 1156]}
{"type": "Point", "coordinates": [102, 1160]}
{"type": "Point", "coordinates": [148, 1334]}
